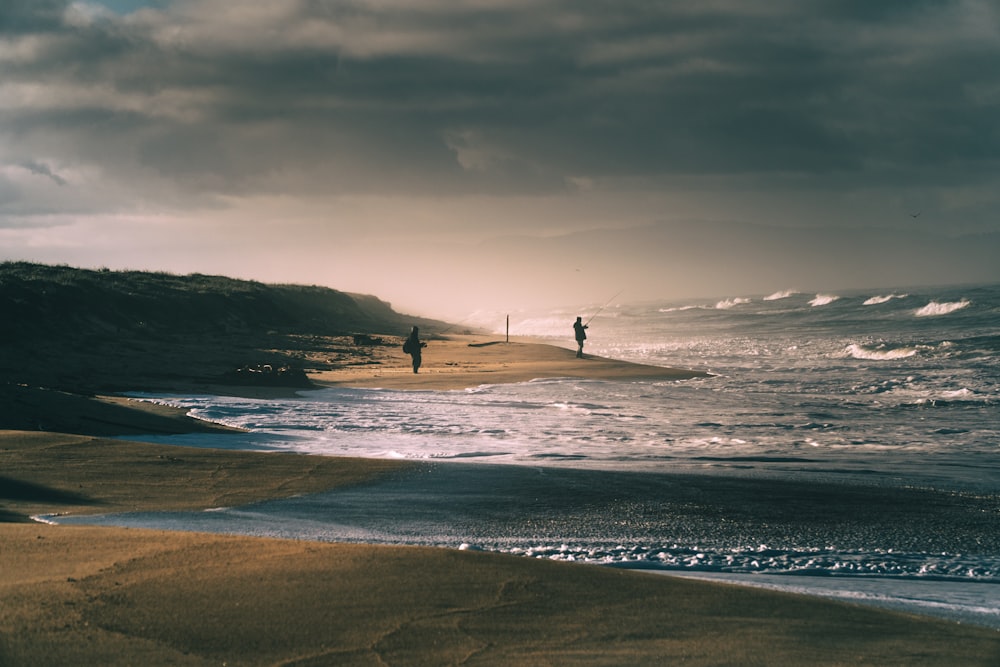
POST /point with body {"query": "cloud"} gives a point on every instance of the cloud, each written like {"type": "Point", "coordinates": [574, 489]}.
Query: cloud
{"type": "Point", "coordinates": [43, 170]}
{"type": "Point", "coordinates": [568, 88]}
{"type": "Point", "coordinates": [782, 113]}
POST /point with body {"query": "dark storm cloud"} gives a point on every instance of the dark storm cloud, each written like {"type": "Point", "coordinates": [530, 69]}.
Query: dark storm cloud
{"type": "Point", "coordinates": [19, 16]}
{"type": "Point", "coordinates": [43, 170]}
{"type": "Point", "coordinates": [203, 98]}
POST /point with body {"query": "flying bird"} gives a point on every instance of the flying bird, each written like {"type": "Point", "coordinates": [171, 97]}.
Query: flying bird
{"type": "Point", "coordinates": [916, 215]}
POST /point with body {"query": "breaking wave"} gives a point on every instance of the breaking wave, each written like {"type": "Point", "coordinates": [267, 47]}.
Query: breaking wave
{"type": "Point", "coordinates": [784, 294]}
{"type": "Point", "coordinates": [879, 352]}
{"type": "Point", "coordinates": [935, 308]}
{"type": "Point", "coordinates": [726, 304]}
{"type": "Point", "coordinates": [823, 299]}
{"type": "Point", "coordinates": [875, 300]}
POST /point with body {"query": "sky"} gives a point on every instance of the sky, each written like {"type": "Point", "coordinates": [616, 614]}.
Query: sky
{"type": "Point", "coordinates": [455, 157]}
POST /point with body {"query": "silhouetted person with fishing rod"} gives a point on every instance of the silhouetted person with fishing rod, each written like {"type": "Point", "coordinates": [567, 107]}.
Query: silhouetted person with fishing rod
{"type": "Point", "coordinates": [580, 329]}
{"type": "Point", "coordinates": [412, 347]}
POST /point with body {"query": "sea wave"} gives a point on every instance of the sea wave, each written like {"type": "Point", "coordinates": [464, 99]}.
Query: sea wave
{"type": "Point", "coordinates": [955, 398]}
{"type": "Point", "coordinates": [726, 304]}
{"type": "Point", "coordinates": [935, 308]}
{"type": "Point", "coordinates": [876, 300]}
{"type": "Point", "coordinates": [823, 299]}
{"type": "Point", "coordinates": [783, 294]}
{"type": "Point", "coordinates": [878, 352]}
{"type": "Point", "coordinates": [962, 393]}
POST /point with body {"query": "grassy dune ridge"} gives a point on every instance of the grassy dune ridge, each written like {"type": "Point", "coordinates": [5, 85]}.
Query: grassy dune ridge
{"type": "Point", "coordinates": [58, 302]}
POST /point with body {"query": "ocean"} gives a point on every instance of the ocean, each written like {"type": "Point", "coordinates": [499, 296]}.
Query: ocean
{"type": "Point", "coordinates": [845, 444]}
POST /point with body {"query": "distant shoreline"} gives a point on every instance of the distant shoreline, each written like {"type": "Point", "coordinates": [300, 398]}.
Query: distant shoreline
{"type": "Point", "coordinates": [452, 363]}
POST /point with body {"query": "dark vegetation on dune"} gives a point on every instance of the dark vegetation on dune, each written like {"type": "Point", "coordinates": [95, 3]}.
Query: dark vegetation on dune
{"type": "Point", "coordinates": [86, 331]}
{"type": "Point", "coordinates": [51, 303]}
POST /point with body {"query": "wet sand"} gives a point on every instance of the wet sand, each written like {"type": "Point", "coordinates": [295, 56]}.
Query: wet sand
{"type": "Point", "coordinates": [90, 595]}
{"type": "Point", "coordinates": [111, 596]}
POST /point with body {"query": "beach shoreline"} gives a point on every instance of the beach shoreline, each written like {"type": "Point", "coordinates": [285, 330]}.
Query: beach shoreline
{"type": "Point", "coordinates": [466, 361]}
{"type": "Point", "coordinates": [450, 363]}
{"type": "Point", "coordinates": [122, 596]}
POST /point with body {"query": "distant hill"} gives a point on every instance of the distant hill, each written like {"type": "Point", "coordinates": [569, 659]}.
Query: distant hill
{"type": "Point", "coordinates": [86, 330]}
{"type": "Point", "coordinates": [52, 302]}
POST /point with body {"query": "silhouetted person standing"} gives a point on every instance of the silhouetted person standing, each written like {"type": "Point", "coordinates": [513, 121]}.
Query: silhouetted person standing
{"type": "Point", "coordinates": [412, 347]}
{"type": "Point", "coordinates": [579, 328]}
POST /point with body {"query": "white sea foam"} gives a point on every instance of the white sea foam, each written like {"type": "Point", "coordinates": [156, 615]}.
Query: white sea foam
{"type": "Point", "coordinates": [783, 294]}
{"type": "Point", "coordinates": [726, 304]}
{"type": "Point", "coordinates": [823, 300]}
{"type": "Point", "coordinates": [45, 518]}
{"type": "Point", "coordinates": [876, 300]}
{"type": "Point", "coordinates": [935, 308]}
{"type": "Point", "coordinates": [960, 393]}
{"type": "Point", "coordinates": [879, 353]}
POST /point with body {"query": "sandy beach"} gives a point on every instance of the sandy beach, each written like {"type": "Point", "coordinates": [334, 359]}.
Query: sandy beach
{"type": "Point", "coordinates": [90, 595]}
{"type": "Point", "coordinates": [464, 361]}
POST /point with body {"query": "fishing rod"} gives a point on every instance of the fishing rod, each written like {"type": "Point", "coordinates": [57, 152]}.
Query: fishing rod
{"type": "Point", "coordinates": [456, 324]}
{"type": "Point", "coordinates": [602, 307]}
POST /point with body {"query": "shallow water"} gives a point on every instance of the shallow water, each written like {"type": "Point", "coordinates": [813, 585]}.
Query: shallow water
{"type": "Point", "coordinates": [837, 388]}
{"type": "Point", "coordinates": [695, 524]}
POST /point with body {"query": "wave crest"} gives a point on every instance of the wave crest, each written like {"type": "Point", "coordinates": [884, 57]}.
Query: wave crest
{"type": "Point", "coordinates": [879, 353]}
{"type": "Point", "coordinates": [729, 303]}
{"type": "Point", "coordinates": [823, 300]}
{"type": "Point", "coordinates": [935, 308]}
{"type": "Point", "coordinates": [875, 300]}
{"type": "Point", "coordinates": [783, 294]}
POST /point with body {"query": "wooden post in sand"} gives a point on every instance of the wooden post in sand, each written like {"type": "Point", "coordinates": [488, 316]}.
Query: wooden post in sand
{"type": "Point", "coordinates": [508, 329]}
